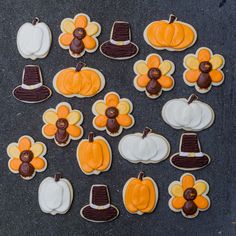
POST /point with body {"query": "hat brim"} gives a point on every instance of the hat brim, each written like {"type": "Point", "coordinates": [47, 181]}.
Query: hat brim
{"type": "Point", "coordinates": [119, 52]}
{"type": "Point", "coordinates": [189, 163]}
{"type": "Point", "coordinates": [32, 95]}
{"type": "Point", "coordinates": [96, 215]}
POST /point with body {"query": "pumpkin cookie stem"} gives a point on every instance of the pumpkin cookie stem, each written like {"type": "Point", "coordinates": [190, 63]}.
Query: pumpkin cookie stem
{"type": "Point", "coordinates": [146, 131]}
{"type": "Point", "coordinates": [172, 18]}
{"type": "Point", "coordinates": [141, 175]}
{"type": "Point", "coordinates": [57, 176]}
{"type": "Point", "coordinates": [35, 21]}
{"type": "Point", "coordinates": [79, 66]}
{"type": "Point", "coordinates": [91, 137]}
{"type": "Point", "coordinates": [192, 98]}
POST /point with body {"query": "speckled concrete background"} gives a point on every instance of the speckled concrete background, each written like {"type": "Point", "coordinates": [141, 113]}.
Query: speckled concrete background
{"type": "Point", "coordinates": [19, 210]}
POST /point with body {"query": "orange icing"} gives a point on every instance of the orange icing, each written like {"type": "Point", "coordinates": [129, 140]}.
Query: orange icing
{"type": "Point", "coordinates": [24, 144]}
{"type": "Point", "coordinates": [192, 75]}
{"type": "Point", "coordinates": [101, 121]}
{"type": "Point", "coordinates": [63, 111]}
{"type": "Point", "coordinates": [81, 21]}
{"type": "Point", "coordinates": [165, 81]}
{"type": "Point", "coordinates": [14, 164]}
{"type": "Point", "coordinates": [112, 100]}
{"type": "Point", "coordinates": [216, 76]}
{"type": "Point", "coordinates": [201, 202]}
{"type": "Point", "coordinates": [50, 129]}
{"type": "Point", "coordinates": [204, 55]}
{"type": "Point", "coordinates": [65, 39]}
{"type": "Point", "coordinates": [178, 202]}
{"type": "Point", "coordinates": [38, 163]}
{"type": "Point", "coordinates": [124, 120]}
{"type": "Point", "coordinates": [187, 182]}
{"type": "Point", "coordinates": [74, 131]}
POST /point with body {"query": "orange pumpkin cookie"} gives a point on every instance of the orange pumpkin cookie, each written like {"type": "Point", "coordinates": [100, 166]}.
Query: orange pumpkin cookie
{"type": "Point", "coordinates": [62, 124]}
{"type": "Point", "coordinates": [189, 196]}
{"type": "Point", "coordinates": [26, 157]}
{"type": "Point", "coordinates": [203, 69]}
{"type": "Point", "coordinates": [154, 75]}
{"type": "Point", "coordinates": [79, 81]}
{"type": "Point", "coordinates": [171, 35]}
{"type": "Point", "coordinates": [79, 35]}
{"type": "Point", "coordinates": [94, 155]}
{"type": "Point", "coordinates": [140, 195]}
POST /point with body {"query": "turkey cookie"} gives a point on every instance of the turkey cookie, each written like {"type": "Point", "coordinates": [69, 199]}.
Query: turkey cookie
{"type": "Point", "coordinates": [32, 89]}
{"type": "Point", "coordinates": [34, 39]}
{"type": "Point", "coordinates": [79, 81]}
{"type": "Point", "coordinates": [172, 35]}
{"type": "Point", "coordinates": [119, 47]}
{"type": "Point", "coordinates": [55, 195]}
{"type": "Point", "coordinates": [188, 114]}
{"type": "Point", "coordinates": [99, 208]}
{"type": "Point", "coordinates": [203, 70]}
{"type": "Point", "coordinates": [190, 156]}
{"type": "Point", "coordinates": [140, 195]}
{"type": "Point", "coordinates": [62, 124]}
{"type": "Point", "coordinates": [94, 155]}
{"type": "Point", "coordinates": [79, 35]}
{"type": "Point", "coordinates": [27, 157]}
{"type": "Point", "coordinates": [113, 114]}
{"type": "Point", "coordinates": [154, 75]}
{"type": "Point", "coordinates": [189, 196]}
{"type": "Point", "coordinates": [146, 147]}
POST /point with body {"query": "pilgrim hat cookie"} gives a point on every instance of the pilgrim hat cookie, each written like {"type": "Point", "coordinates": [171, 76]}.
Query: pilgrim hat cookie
{"type": "Point", "coordinates": [32, 89]}
{"type": "Point", "coordinates": [119, 47]}
{"type": "Point", "coordinates": [190, 156]}
{"type": "Point", "coordinates": [99, 208]}
{"type": "Point", "coordinates": [55, 195]}
{"type": "Point", "coordinates": [27, 157]}
{"type": "Point", "coordinates": [34, 39]}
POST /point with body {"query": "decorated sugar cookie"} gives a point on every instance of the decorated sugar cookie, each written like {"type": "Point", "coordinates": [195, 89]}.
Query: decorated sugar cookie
{"type": "Point", "coordinates": [188, 114]}
{"type": "Point", "coordinates": [34, 39]}
{"type": "Point", "coordinates": [55, 195]}
{"type": "Point", "coordinates": [203, 70]}
{"type": "Point", "coordinates": [140, 195]}
{"type": "Point", "coordinates": [99, 208]}
{"type": "Point", "coordinates": [27, 157]}
{"type": "Point", "coordinates": [190, 156]}
{"type": "Point", "coordinates": [119, 47]}
{"type": "Point", "coordinates": [94, 155]}
{"type": "Point", "coordinates": [146, 147]}
{"type": "Point", "coordinates": [189, 196]}
{"type": "Point", "coordinates": [79, 81]}
{"type": "Point", "coordinates": [62, 124]}
{"type": "Point", "coordinates": [172, 35]}
{"type": "Point", "coordinates": [32, 89]}
{"type": "Point", "coordinates": [113, 114]}
{"type": "Point", "coordinates": [79, 35]}
{"type": "Point", "coordinates": [153, 75]}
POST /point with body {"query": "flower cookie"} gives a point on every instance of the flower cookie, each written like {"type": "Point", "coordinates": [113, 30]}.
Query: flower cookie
{"type": "Point", "coordinates": [79, 35]}
{"type": "Point", "coordinates": [94, 155]}
{"type": "Point", "coordinates": [62, 124]}
{"type": "Point", "coordinates": [154, 75]}
{"type": "Point", "coordinates": [26, 157]}
{"type": "Point", "coordinates": [140, 195]}
{"type": "Point", "coordinates": [172, 35]}
{"type": "Point", "coordinates": [203, 70]}
{"type": "Point", "coordinates": [113, 114]}
{"type": "Point", "coordinates": [189, 196]}
{"type": "Point", "coordinates": [79, 81]}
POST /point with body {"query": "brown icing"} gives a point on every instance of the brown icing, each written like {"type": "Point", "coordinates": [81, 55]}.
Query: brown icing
{"type": "Point", "coordinates": [62, 135]}
{"type": "Point", "coordinates": [77, 46]}
{"type": "Point", "coordinates": [190, 143]}
{"type": "Point", "coordinates": [190, 194]}
{"type": "Point", "coordinates": [204, 79]}
{"type": "Point", "coordinates": [26, 156]}
{"type": "Point", "coordinates": [26, 169]}
{"type": "Point", "coordinates": [146, 131]}
{"type": "Point", "coordinates": [190, 208]}
{"type": "Point", "coordinates": [153, 87]}
{"type": "Point", "coordinates": [112, 124]}
{"type": "Point", "coordinates": [190, 162]}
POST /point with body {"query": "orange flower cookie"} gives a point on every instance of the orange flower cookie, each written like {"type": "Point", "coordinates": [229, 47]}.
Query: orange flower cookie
{"type": "Point", "coordinates": [79, 81]}
{"type": "Point", "coordinates": [140, 195]}
{"type": "Point", "coordinates": [154, 75]}
{"type": "Point", "coordinates": [172, 35]}
{"type": "Point", "coordinates": [79, 35]}
{"type": "Point", "coordinates": [26, 157]}
{"type": "Point", "coordinates": [113, 114]}
{"type": "Point", "coordinates": [203, 70]}
{"type": "Point", "coordinates": [94, 155]}
{"type": "Point", "coordinates": [62, 124]}
{"type": "Point", "coordinates": [189, 196]}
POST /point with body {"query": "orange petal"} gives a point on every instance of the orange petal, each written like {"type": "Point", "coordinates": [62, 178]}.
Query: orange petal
{"type": "Point", "coordinates": [38, 163]}
{"type": "Point", "coordinates": [100, 121]}
{"type": "Point", "coordinates": [166, 82]}
{"type": "Point", "coordinates": [50, 130]}
{"type": "Point", "coordinates": [63, 111]}
{"type": "Point", "coordinates": [124, 120]}
{"type": "Point", "coordinates": [142, 81]}
{"type": "Point", "coordinates": [192, 75]}
{"type": "Point", "coordinates": [216, 76]}
{"type": "Point", "coordinates": [24, 144]}
{"type": "Point", "coordinates": [204, 55]}
{"type": "Point", "coordinates": [153, 61]}
{"type": "Point", "coordinates": [89, 42]}
{"type": "Point", "coordinates": [81, 21]}
{"type": "Point", "coordinates": [178, 202]}
{"type": "Point", "coordinates": [65, 39]}
{"type": "Point", "coordinates": [187, 181]}
{"type": "Point", "coordinates": [112, 100]}
{"type": "Point", "coordinates": [201, 202]}
{"type": "Point", "coordinates": [14, 164]}
{"type": "Point", "coordinates": [74, 130]}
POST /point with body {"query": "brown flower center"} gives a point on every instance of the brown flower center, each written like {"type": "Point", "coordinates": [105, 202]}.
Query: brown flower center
{"type": "Point", "coordinates": [26, 156]}
{"type": "Point", "coordinates": [79, 33]}
{"type": "Point", "coordinates": [205, 66]}
{"type": "Point", "coordinates": [112, 112]}
{"type": "Point", "coordinates": [62, 123]}
{"type": "Point", "coordinates": [154, 73]}
{"type": "Point", "coordinates": [190, 194]}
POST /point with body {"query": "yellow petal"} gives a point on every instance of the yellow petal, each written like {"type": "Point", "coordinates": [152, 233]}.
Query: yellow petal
{"type": "Point", "coordinates": [141, 68]}
{"type": "Point", "coordinates": [165, 67]}
{"type": "Point", "coordinates": [73, 117]}
{"type": "Point", "coordinates": [91, 29]}
{"type": "Point", "coordinates": [101, 108]}
{"type": "Point", "coordinates": [201, 187]}
{"type": "Point", "coordinates": [216, 61]}
{"type": "Point", "coordinates": [68, 26]}
{"type": "Point", "coordinates": [13, 151]}
{"type": "Point", "coordinates": [50, 117]}
{"type": "Point", "coordinates": [123, 107]}
{"type": "Point", "coordinates": [177, 190]}
{"type": "Point", "coordinates": [37, 149]}
{"type": "Point", "coordinates": [191, 62]}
